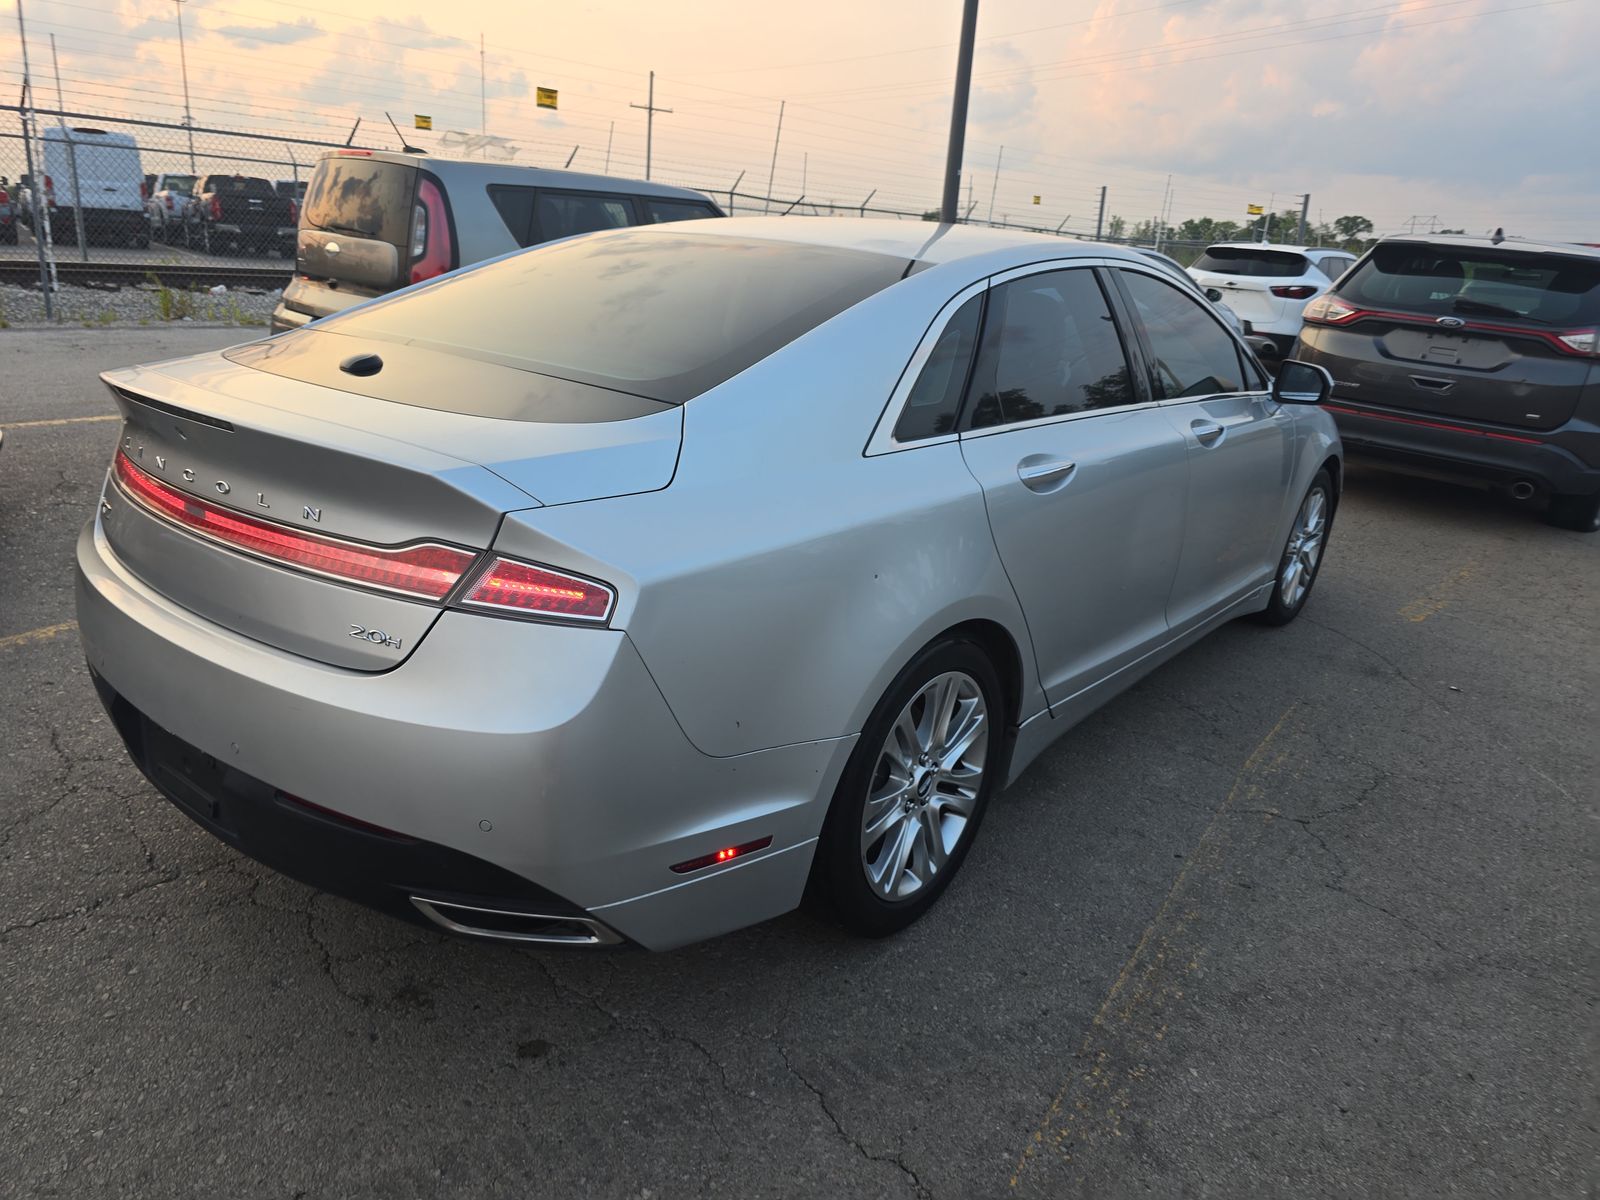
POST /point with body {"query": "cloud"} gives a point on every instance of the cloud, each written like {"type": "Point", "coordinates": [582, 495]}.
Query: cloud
{"type": "Point", "coordinates": [283, 34]}
{"type": "Point", "coordinates": [413, 34]}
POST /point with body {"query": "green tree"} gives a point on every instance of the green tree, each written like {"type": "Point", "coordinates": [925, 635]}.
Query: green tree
{"type": "Point", "coordinates": [1350, 228]}
{"type": "Point", "coordinates": [1116, 228]}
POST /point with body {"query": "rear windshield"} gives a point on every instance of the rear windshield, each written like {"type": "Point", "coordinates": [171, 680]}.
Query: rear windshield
{"type": "Point", "coordinates": [178, 183]}
{"type": "Point", "coordinates": [364, 196]}
{"type": "Point", "coordinates": [664, 314]}
{"type": "Point", "coordinates": [1543, 288]}
{"type": "Point", "coordinates": [1241, 260]}
{"type": "Point", "coordinates": [239, 185]}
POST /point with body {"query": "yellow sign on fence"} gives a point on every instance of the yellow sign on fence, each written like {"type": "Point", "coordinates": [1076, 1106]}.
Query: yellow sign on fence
{"type": "Point", "coordinates": [423, 122]}
{"type": "Point", "coordinates": [545, 97]}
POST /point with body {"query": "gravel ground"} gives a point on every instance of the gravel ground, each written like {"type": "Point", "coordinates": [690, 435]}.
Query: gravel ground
{"type": "Point", "coordinates": [146, 304]}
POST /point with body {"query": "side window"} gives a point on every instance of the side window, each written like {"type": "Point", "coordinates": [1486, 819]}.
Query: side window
{"type": "Point", "coordinates": [656, 211]}
{"type": "Point", "coordinates": [562, 214]}
{"type": "Point", "coordinates": [935, 398]}
{"type": "Point", "coordinates": [515, 206]}
{"type": "Point", "coordinates": [1050, 346]}
{"type": "Point", "coordinates": [1192, 355]}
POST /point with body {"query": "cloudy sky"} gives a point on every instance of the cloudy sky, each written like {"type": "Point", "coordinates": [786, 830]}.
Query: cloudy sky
{"type": "Point", "coordinates": [1467, 113]}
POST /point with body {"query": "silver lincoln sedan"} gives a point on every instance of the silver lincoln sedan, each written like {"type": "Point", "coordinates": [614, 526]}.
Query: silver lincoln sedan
{"type": "Point", "coordinates": [633, 587]}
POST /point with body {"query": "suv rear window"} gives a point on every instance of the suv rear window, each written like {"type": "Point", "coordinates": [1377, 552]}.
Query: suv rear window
{"type": "Point", "coordinates": [664, 314]}
{"type": "Point", "coordinates": [239, 185]}
{"type": "Point", "coordinates": [1241, 260]}
{"type": "Point", "coordinates": [364, 196]}
{"type": "Point", "coordinates": [1469, 282]}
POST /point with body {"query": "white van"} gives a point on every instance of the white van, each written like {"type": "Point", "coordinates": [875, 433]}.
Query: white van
{"type": "Point", "coordinates": [108, 177]}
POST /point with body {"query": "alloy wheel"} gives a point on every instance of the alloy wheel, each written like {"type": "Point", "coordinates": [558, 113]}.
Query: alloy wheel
{"type": "Point", "coordinates": [1304, 549]}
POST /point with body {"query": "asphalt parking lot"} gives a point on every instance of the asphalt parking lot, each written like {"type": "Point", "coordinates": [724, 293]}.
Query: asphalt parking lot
{"type": "Point", "coordinates": [1310, 911]}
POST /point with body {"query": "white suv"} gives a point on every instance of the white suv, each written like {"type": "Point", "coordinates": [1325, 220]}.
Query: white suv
{"type": "Point", "coordinates": [1269, 286]}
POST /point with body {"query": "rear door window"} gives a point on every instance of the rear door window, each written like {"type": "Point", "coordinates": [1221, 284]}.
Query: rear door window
{"type": "Point", "coordinates": [658, 210]}
{"type": "Point", "coordinates": [366, 197]}
{"type": "Point", "coordinates": [563, 214]}
{"type": "Point", "coordinates": [935, 399]}
{"type": "Point", "coordinates": [1542, 288]}
{"type": "Point", "coordinates": [1247, 261]}
{"type": "Point", "coordinates": [1050, 347]}
{"type": "Point", "coordinates": [1191, 354]}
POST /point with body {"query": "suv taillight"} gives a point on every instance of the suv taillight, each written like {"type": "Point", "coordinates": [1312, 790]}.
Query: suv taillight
{"type": "Point", "coordinates": [5, 196]}
{"type": "Point", "coordinates": [522, 589]}
{"type": "Point", "coordinates": [294, 211]}
{"type": "Point", "coordinates": [1581, 341]}
{"type": "Point", "coordinates": [216, 207]}
{"type": "Point", "coordinates": [1294, 291]}
{"type": "Point", "coordinates": [1328, 309]}
{"type": "Point", "coordinates": [431, 250]}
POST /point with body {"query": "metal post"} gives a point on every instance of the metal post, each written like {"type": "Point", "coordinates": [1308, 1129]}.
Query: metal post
{"type": "Point", "coordinates": [958, 114]}
{"type": "Point", "coordinates": [995, 187]}
{"type": "Point", "coordinates": [651, 110]}
{"type": "Point", "coordinates": [609, 132]}
{"type": "Point", "coordinates": [41, 219]}
{"type": "Point", "coordinates": [1100, 221]}
{"type": "Point", "coordinates": [183, 61]}
{"type": "Point", "coordinates": [1305, 209]}
{"type": "Point", "coordinates": [870, 195]}
{"type": "Point", "coordinates": [570, 157]}
{"type": "Point", "coordinates": [72, 155]}
{"type": "Point", "coordinates": [732, 190]}
{"type": "Point", "coordinates": [483, 101]}
{"type": "Point", "coordinates": [772, 174]}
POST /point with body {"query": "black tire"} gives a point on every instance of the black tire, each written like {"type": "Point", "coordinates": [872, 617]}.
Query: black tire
{"type": "Point", "coordinates": [1281, 610]}
{"type": "Point", "coordinates": [1581, 514]}
{"type": "Point", "coordinates": [838, 876]}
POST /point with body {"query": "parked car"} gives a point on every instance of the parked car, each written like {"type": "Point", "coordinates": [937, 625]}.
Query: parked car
{"type": "Point", "coordinates": [374, 221]}
{"type": "Point", "coordinates": [8, 214]}
{"type": "Point", "coordinates": [1472, 358]}
{"type": "Point", "coordinates": [1269, 285]}
{"type": "Point", "coordinates": [109, 181]}
{"type": "Point", "coordinates": [167, 201]}
{"type": "Point", "coordinates": [1175, 269]}
{"type": "Point", "coordinates": [239, 213]}
{"type": "Point", "coordinates": [614, 590]}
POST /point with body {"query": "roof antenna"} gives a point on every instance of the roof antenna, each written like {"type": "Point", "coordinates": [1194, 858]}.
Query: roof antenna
{"type": "Point", "coordinates": [405, 146]}
{"type": "Point", "coordinates": [1499, 235]}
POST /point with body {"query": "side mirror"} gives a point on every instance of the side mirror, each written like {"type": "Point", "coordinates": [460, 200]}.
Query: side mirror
{"type": "Point", "coordinates": [1214, 295]}
{"type": "Point", "coordinates": [1301, 383]}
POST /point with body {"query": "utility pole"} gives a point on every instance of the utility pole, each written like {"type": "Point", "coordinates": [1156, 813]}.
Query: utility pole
{"type": "Point", "coordinates": [995, 187]}
{"type": "Point", "coordinates": [650, 110]}
{"type": "Point", "coordinates": [772, 174]}
{"type": "Point", "coordinates": [958, 114]}
{"type": "Point", "coordinates": [1100, 221]}
{"type": "Point", "coordinates": [183, 62]}
{"type": "Point", "coordinates": [72, 155]}
{"type": "Point", "coordinates": [1305, 211]}
{"type": "Point", "coordinates": [41, 219]}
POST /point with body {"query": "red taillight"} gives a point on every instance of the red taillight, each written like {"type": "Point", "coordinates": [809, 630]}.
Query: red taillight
{"type": "Point", "coordinates": [216, 208]}
{"type": "Point", "coordinates": [1294, 291]}
{"type": "Point", "coordinates": [167, 200]}
{"type": "Point", "coordinates": [144, 191]}
{"type": "Point", "coordinates": [5, 196]}
{"type": "Point", "coordinates": [49, 191]}
{"type": "Point", "coordinates": [428, 571]}
{"type": "Point", "coordinates": [1581, 341]}
{"type": "Point", "coordinates": [431, 250]}
{"type": "Point", "coordinates": [1330, 310]}
{"type": "Point", "coordinates": [509, 586]}
{"type": "Point", "coordinates": [294, 211]}
{"type": "Point", "coordinates": [727, 854]}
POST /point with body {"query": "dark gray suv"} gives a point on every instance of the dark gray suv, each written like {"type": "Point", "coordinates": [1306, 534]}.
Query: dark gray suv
{"type": "Point", "coordinates": [1474, 359]}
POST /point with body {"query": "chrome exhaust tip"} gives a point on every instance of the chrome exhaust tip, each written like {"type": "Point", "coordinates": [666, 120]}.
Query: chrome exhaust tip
{"type": "Point", "coordinates": [1522, 489]}
{"type": "Point", "coordinates": [510, 925]}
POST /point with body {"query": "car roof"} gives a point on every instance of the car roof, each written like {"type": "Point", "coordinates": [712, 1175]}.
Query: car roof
{"type": "Point", "coordinates": [1471, 242]}
{"type": "Point", "coordinates": [1284, 246]}
{"type": "Point", "coordinates": [472, 171]}
{"type": "Point", "coordinates": [921, 241]}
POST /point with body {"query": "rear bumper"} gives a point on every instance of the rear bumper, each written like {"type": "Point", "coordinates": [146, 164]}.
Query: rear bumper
{"type": "Point", "coordinates": [544, 753]}
{"type": "Point", "coordinates": [1566, 460]}
{"type": "Point", "coordinates": [306, 300]}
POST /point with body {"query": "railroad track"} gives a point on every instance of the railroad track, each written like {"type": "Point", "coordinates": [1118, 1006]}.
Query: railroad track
{"type": "Point", "coordinates": [173, 275]}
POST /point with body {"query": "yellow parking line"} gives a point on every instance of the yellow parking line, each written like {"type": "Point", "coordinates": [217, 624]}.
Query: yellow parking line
{"type": "Point", "coordinates": [1432, 604]}
{"type": "Point", "coordinates": [1163, 939]}
{"type": "Point", "coordinates": [45, 634]}
{"type": "Point", "coordinates": [58, 421]}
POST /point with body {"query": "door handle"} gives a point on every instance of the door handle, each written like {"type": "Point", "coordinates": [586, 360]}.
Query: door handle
{"type": "Point", "coordinates": [1206, 433]}
{"type": "Point", "coordinates": [1039, 473]}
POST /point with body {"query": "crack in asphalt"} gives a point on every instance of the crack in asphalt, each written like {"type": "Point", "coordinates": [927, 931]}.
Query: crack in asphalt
{"type": "Point", "coordinates": [897, 1159]}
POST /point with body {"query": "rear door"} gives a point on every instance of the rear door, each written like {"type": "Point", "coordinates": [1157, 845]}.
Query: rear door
{"type": "Point", "coordinates": [356, 223]}
{"type": "Point", "coordinates": [1238, 441]}
{"type": "Point", "coordinates": [1083, 475]}
{"type": "Point", "coordinates": [1473, 334]}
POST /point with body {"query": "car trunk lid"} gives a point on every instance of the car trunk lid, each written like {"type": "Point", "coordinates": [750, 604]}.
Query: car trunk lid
{"type": "Point", "coordinates": [247, 444]}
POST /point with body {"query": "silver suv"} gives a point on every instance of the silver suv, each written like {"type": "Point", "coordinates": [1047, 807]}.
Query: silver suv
{"type": "Point", "coordinates": [374, 221]}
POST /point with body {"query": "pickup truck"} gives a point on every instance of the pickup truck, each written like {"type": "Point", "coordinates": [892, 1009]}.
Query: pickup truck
{"type": "Point", "coordinates": [167, 198]}
{"type": "Point", "coordinates": [240, 213]}
{"type": "Point", "coordinates": [8, 213]}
